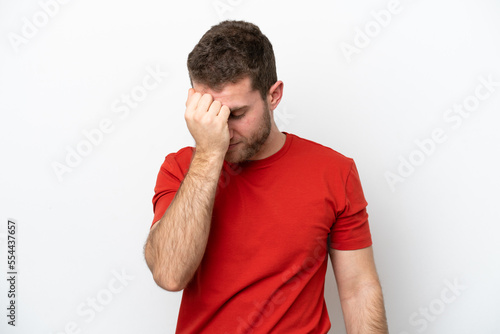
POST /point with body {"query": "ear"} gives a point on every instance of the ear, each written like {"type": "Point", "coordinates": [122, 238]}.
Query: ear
{"type": "Point", "coordinates": [275, 94]}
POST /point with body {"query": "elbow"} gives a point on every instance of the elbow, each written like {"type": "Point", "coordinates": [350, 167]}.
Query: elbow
{"type": "Point", "coordinates": [168, 284]}
{"type": "Point", "coordinates": [163, 278]}
{"type": "Point", "coordinates": [160, 276]}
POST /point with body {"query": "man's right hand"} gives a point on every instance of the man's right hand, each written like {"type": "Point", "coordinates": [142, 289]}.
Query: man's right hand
{"type": "Point", "coordinates": [206, 120]}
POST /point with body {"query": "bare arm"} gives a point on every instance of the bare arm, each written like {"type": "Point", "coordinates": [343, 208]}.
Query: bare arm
{"type": "Point", "coordinates": [177, 242]}
{"type": "Point", "coordinates": [359, 291]}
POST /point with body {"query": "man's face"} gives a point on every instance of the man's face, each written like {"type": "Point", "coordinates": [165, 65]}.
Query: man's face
{"type": "Point", "coordinates": [249, 122]}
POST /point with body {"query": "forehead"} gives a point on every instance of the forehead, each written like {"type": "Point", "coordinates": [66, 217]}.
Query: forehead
{"type": "Point", "coordinates": [231, 94]}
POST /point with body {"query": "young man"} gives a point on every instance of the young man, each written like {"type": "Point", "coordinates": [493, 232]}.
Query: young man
{"type": "Point", "coordinates": [245, 220]}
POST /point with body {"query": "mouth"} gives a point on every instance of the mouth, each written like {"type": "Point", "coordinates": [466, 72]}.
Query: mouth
{"type": "Point", "coordinates": [232, 145]}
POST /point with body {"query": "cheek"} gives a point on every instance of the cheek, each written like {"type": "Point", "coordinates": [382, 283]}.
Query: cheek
{"type": "Point", "coordinates": [249, 126]}
{"type": "Point", "coordinates": [251, 121]}
{"type": "Point", "coordinates": [244, 125]}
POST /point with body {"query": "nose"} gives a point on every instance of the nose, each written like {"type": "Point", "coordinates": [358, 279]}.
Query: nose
{"type": "Point", "coordinates": [231, 133]}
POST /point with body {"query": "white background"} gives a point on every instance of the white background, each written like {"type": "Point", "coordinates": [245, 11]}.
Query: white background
{"type": "Point", "coordinates": [436, 226]}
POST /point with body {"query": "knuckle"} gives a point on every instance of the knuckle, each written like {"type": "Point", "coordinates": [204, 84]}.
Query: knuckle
{"type": "Point", "coordinates": [197, 117]}
{"type": "Point", "coordinates": [206, 121]}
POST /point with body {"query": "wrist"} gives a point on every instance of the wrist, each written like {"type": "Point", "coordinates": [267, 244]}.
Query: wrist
{"type": "Point", "coordinates": [209, 156]}
{"type": "Point", "coordinates": [206, 167]}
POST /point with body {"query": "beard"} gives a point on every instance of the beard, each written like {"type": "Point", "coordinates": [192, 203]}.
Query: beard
{"type": "Point", "coordinates": [252, 145]}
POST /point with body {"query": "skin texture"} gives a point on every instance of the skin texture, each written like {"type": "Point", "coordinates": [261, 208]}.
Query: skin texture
{"type": "Point", "coordinates": [177, 242]}
{"type": "Point", "coordinates": [359, 291]}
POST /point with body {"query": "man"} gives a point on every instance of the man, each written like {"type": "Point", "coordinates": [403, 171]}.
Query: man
{"type": "Point", "coordinates": [244, 222]}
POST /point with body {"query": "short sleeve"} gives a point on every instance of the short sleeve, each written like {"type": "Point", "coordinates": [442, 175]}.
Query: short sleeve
{"type": "Point", "coordinates": [351, 230]}
{"type": "Point", "coordinates": [168, 182]}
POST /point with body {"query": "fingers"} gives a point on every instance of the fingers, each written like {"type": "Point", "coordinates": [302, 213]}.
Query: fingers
{"type": "Point", "coordinates": [191, 92]}
{"type": "Point", "coordinates": [224, 112]}
{"type": "Point", "coordinates": [207, 121]}
{"type": "Point", "coordinates": [192, 101]}
{"type": "Point", "coordinates": [214, 108]}
{"type": "Point", "coordinates": [204, 103]}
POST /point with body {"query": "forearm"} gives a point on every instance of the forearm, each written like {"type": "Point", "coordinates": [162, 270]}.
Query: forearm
{"type": "Point", "coordinates": [177, 242]}
{"type": "Point", "coordinates": [364, 311]}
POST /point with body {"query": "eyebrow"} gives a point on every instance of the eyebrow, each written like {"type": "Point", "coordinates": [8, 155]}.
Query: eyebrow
{"type": "Point", "coordinates": [237, 108]}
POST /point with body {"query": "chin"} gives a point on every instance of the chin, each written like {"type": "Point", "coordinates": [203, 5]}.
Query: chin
{"type": "Point", "coordinates": [235, 160]}
{"type": "Point", "coordinates": [236, 157]}
{"type": "Point", "coordinates": [232, 158]}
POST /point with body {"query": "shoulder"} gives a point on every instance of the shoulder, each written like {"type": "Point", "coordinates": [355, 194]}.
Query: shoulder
{"type": "Point", "coordinates": [178, 162]}
{"type": "Point", "coordinates": [181, 155]}
{"type": "Point", "coordinates": [317, 153]}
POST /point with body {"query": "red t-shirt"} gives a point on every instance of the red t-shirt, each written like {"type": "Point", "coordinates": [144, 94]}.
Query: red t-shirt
{"type": "Point", "coordinates": [264, 267]}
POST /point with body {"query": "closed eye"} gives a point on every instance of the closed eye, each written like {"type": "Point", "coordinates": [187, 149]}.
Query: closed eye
{"type": "Point", "coordinates": [238, 112]}
{"type": "Point", "coordinates": [240, 115]}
